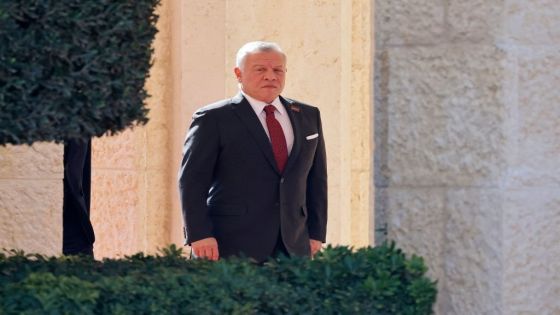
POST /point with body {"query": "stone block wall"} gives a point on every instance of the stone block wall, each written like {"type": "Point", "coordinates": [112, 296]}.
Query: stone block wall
{"type": "Point", "coordinates": [467, 114]}
{"type": "Point", "coordinates": [31, 195]}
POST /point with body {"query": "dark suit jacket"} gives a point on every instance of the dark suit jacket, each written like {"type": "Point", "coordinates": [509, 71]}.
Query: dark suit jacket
{"type": "Point", "coordinates": [231, 188]}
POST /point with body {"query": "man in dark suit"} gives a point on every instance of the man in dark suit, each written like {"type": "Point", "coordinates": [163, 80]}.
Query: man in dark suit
{"type": "Point", "coordinates": [253, 179]}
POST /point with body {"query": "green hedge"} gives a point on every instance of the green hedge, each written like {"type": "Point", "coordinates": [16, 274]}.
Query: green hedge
{"type": "Point", "coordinates": [73, 69]}
{"type": "Point", "coordinates": [378, 280]}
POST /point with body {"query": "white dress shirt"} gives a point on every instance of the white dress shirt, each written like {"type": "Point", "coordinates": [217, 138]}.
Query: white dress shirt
{"type": "Point", "coordinates": [280, 114]}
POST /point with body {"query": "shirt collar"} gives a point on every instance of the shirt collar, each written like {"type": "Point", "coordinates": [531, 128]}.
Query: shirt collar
{"type": "Point", "coordinates": [258, 106]}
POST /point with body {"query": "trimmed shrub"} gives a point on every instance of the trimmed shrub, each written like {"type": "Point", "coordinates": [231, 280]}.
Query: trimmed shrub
{"type": "Point", "coordinates": [378, 280]}
{"type": "Point", "coordinates": [73, 69]}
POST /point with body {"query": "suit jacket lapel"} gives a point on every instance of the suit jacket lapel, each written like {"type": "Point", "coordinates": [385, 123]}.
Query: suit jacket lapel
{"type": "Point", "coordinates": [247, 115]}
{"type": "Point", "coordinates": [295, 119]}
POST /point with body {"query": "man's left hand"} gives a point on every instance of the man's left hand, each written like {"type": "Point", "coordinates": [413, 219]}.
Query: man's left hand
{"type": "Point", "coordinates": [315, 246]}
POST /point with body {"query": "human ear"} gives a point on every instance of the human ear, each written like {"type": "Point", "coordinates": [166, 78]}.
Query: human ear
{"type": "Point", "coordinates": [237, 72]}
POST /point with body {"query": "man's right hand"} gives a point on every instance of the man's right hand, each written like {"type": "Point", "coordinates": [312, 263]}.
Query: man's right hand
{"type": "Point", "coordinates": [206, 248]}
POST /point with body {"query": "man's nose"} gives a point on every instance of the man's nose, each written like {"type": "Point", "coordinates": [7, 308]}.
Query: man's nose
{"type": "Point", "coordinates": [270, 75]}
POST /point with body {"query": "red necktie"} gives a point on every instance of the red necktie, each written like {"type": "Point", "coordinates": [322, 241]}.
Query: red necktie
{"type": "Point", "coordinates": [277, 138]}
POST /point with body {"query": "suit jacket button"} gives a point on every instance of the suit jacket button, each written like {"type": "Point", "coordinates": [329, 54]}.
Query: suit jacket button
{"type": "Point", "coordinates": [282, 180]}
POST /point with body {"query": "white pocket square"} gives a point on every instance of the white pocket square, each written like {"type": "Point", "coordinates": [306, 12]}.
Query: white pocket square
{"type": "Point", "coordinates": [313, 136]}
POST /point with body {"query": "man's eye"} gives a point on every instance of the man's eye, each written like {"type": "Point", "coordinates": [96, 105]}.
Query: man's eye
{"type": "Point", "coordinates": [278, 70]}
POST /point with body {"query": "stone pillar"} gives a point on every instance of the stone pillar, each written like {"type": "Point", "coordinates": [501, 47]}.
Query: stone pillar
{"type": "Point", "coordinates": [358, 92]}
{"type": "Point", "coordinates": [198, 72]}
{"type": "Point", "coordinates": [31, 198]}
{"type": "Point", "coordinates": [467, 142]}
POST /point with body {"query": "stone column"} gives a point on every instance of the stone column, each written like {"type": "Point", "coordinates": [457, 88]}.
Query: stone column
{"type": "Point", "coordinates": [198, 72]}
{"type": "Point", "coordinates": [467, 143]}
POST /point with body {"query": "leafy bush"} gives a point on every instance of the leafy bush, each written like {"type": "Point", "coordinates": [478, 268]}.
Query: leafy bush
{"type": "Point", "coordinates": [73, 69]}
{"type": "Point", "coordinates": [378, 280]}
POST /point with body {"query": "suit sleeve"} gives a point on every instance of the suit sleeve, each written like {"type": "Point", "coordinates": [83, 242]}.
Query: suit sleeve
{"type": "Point", "coordinates": [200, 153]}
{"type": "Point", "coordinates": [317, 191]}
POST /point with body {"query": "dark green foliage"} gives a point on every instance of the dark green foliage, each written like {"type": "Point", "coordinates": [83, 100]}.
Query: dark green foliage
{"type": "Point", "coordinates": [73, 69]}
{"type": "Point", "coordinates": [377, 280]}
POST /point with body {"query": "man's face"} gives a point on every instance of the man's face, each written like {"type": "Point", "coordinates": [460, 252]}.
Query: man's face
{"type": "Point", "coordinates": [262, 76]}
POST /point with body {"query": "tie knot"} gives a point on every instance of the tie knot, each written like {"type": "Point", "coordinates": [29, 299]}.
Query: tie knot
{"type": "Point", "coordinates": [269, 109]}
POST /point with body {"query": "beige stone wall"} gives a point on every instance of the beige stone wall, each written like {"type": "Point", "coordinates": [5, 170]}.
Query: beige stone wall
{"type": "Point", "coordinates": [467, 138]}
{"type": "Point", "coordinates": [31, 198]}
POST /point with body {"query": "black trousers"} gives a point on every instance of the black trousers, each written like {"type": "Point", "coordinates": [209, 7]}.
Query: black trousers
{"type": "Point", "coordinates": [77, 231]}
{"type": "Point", "coordinates": [280, 248]}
